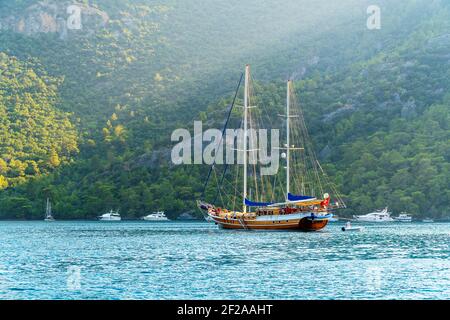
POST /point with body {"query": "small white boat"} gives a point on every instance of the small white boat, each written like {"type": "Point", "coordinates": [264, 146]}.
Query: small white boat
{"type": "Point", "coordinates": [348, 227]}
{"type": "Point", "coordinates": [156, 216]}
{"type": "Point", "coordinates": [110, 216]}
{"type": "Point", "coordinates": [428, 220]}
{"type": "Point", "coordinates": [403, 217]}
{"type": "Point", "coordinates": [377, 216]}
{"type": "Point", "coordinates": [48, 212]}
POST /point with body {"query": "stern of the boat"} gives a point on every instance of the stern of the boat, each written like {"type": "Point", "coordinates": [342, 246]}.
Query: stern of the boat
{"type": "Point", "coordinates": [314, 223]}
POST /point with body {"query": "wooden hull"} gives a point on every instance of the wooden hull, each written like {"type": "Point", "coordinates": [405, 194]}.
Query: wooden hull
{"type": "Point", "coordinates": [312, 225]}
{"type": "Point", "coordinates": [303, 224]}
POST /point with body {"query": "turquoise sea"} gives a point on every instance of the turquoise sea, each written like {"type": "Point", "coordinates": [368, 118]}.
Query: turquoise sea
{"type": "Point", "coordinates": [196, 260]}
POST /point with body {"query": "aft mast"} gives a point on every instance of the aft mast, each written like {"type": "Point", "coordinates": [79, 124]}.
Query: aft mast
{"type": "Point", "coordinates": [246, 95]}
{"type": "Point", "coordinates": [288, 145]}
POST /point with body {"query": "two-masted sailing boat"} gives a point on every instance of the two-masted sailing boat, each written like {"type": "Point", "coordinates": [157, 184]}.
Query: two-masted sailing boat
{"type": "Point", "coordinates": [274, 206]}
{"type": "Point", "coordinates": [48, 212]}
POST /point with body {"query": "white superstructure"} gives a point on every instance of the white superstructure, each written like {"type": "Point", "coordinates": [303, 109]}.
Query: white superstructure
{"type": "Point", "coordinates": [377, 216]}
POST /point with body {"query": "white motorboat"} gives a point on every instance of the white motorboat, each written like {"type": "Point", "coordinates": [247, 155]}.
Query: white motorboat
{"type": "Point", "coordinates": [48, 212]}
{"type": "Point", "coordinates": [377, 216]}
{"type": "Point", "coordinates": [403, 217]}
{"type": "Point", "coordinates": [348, 227]}
{"type": "Point", "coordinates": [156, 216]}
{"type": "Point", "coordinates": [428, 220]}
{"type": "Point", "coordinates": [110, 216]}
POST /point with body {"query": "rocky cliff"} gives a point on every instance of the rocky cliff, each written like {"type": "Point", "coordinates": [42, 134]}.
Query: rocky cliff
{"type": "Point", "coordinates": [61, 17]}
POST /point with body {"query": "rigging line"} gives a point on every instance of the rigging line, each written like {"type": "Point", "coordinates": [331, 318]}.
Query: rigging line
{"type": "Point", "coordinates": [230, 184]}
{"type": "Point", "coordinates": [272, 197]}
{"type": "Point", "coordinates": [224, 173]}
{"type": "Point", "coordinates": [222, 193]}
{"type": "Point", "coordinates": [235, 189]}
{"type": "Point", "coordinates": [254, 157]}
{"type": "Point", "coordinates": [258, 116]}
{"type": "Point", "coordinates": [299, 168]}
{"type": "Point", "coordinates": [296, 174]}
{"type": "Point", "coordinates": [265, 114]}
{"type": "Point", "coordinates": [221, 181]}
{"type": "Point", "coordinates": [297, 157]}
{"type": "Point", "coordinates": [254, 125]}
{"type": "Point", "coordinates": [260, 120]}
{"type": "Point", "coordinates": [215, 178]}
{"type": "Point", "coordinates": [311, 154]}
{"type": "Point", "coordinates": [335, 191]}
{"type": "Point", "coordinates": [265, 181]}
{"type": "Point", "coordinates": [218, 187]}
{"type": "Point", "coordinates": [280, 188]}
{"type": "Point", "coordinates": [223, 132]}
{"type": "Point", "coordinates": [331, 184]}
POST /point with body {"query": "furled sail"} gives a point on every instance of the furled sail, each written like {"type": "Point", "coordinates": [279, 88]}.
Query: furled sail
{"type": "Point", "coordinates": [292, 197]}
{"type": "Point", "coordinates": [257, 204]}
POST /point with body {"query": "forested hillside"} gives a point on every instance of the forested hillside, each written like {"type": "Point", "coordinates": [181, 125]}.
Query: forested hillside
{"type": "Point", "coordinates": [35, 137]}
{"type": "Point", "coordinates": [86, 114]}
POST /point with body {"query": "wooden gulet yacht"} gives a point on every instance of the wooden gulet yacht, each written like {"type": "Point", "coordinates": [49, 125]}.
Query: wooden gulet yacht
{"type": "Point", "coordinates": [296, 212]}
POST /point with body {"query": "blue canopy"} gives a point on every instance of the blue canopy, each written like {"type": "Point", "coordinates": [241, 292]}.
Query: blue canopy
{"type": "Point", "coordinates": [293, 197]}
{"type": "Point", "coordinates": [257, 204]}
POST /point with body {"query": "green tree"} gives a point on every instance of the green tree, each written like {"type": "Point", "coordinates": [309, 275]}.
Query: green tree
{"type": "Point", "coordinates": [3, 182]}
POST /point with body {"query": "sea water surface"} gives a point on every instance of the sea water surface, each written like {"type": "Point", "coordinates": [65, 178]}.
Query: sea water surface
{"type": "Point", "coordinates": [196, 260]}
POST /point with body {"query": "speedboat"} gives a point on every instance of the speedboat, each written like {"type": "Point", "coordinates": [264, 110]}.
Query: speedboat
{"type": "Point", "coordinates": [377, 216]}
{"type": "Point", "coordinates": [156, 216]}
{"type": "Point", "coordinates": [403, 217]}
{"type": "Point", "coordinates": [428, 220]}
{"type": "Point", "coordinates": [110, 216]}
{"type": "Point", "coordinates": [348, 227]}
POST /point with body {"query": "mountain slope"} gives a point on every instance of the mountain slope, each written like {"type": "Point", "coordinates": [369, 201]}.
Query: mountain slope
{"type": "Point", "coordinates": [35, 136]}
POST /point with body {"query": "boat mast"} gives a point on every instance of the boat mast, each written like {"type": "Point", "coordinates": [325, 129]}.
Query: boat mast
{"type": "Point", "coordinates": [47, 211]}
{"type": "Point", "coordinates": [288, 146]}
{"type": "Point", "coordinates": [246, 95]}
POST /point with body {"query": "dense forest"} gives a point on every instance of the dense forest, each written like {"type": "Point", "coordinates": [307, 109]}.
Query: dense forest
{"type": "Point", "coordinates": [86, 113]}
